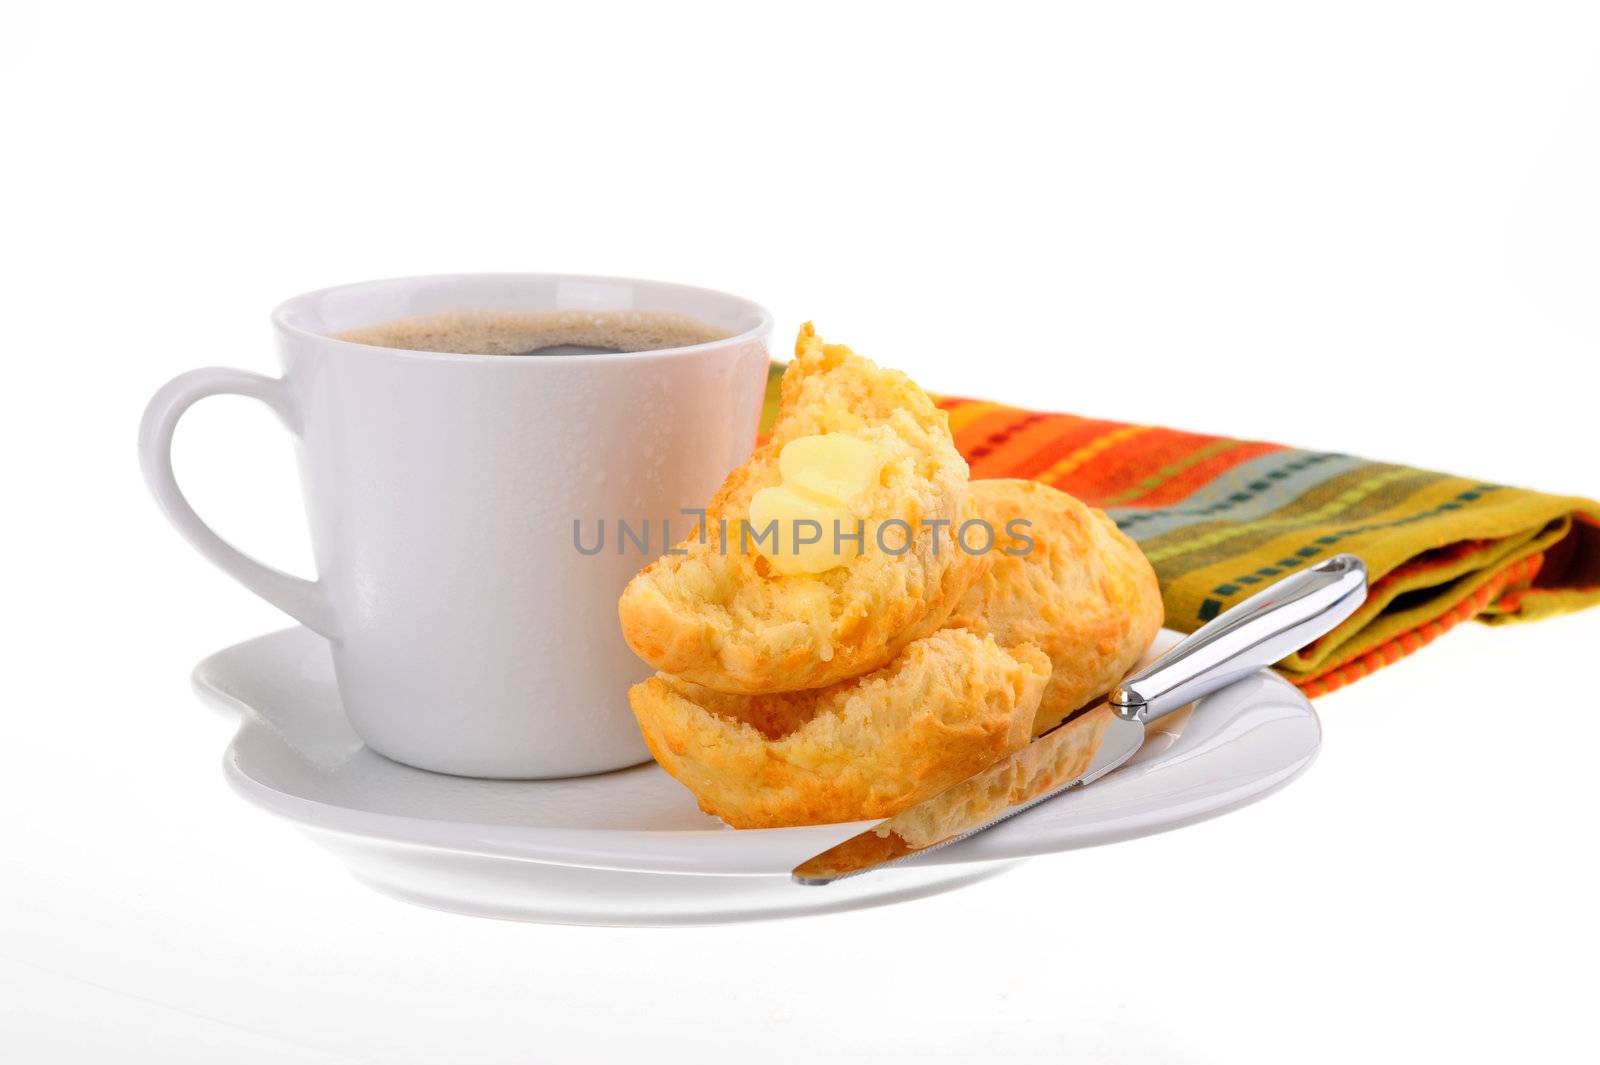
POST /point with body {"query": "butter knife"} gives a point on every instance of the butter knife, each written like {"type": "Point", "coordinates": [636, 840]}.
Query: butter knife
{"type": "Point", "coordinates": [1263, 629]}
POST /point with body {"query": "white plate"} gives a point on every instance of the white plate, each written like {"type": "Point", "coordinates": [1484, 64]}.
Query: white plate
{"type": "Point", "coordinates": [631, 848]}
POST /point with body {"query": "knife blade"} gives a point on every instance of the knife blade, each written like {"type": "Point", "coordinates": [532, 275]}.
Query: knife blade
{"type": "Point", "coordinates": [1253, 635]}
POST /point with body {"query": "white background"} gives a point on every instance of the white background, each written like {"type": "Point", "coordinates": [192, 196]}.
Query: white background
{"type": "Point", "coordinates": [1367, 227]}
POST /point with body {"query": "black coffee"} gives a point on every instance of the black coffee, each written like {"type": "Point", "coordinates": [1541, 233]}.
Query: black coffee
{"type": "Point", "coordinates": [539, 332]}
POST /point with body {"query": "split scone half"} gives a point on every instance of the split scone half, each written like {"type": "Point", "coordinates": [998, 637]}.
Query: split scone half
{"type": "Point", "coordinates": [1081, 591]}
{"type": "Point", "coordinates": [947, 706]}
{"type": "Point", "coordinates": [1030, 773]}
{"type": "Point", "coordinates": [874, 454]}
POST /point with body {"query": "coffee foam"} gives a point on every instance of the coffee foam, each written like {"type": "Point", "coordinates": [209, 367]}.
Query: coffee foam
{"type": "Point", "coordinates": [520, 332]}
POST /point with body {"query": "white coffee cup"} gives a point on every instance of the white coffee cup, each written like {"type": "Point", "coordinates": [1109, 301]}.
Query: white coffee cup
{"type": "Point", "coordinates": [470, 635]}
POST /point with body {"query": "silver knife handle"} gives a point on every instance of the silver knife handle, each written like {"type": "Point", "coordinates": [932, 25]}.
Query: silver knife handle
{"type": "Point", "coordinates": [1266, 628]}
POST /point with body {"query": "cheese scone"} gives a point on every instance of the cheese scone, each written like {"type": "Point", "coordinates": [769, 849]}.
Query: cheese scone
{"type": "Point", "coordinates": [855, 449]}
{"type": "Point", "coordinates": [1082, 592]}
{"type": "Point", "coordinates": [948, 705]}
{"type": "Point", "coordinates": [1034, 771]}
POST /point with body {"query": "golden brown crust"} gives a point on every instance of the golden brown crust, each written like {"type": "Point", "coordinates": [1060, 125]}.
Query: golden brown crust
{"type": "Point", "coordinates": [1034, 771]}
{"type": "Point", "coordinates": [947, 706]}
{"type": "Point", "coordinates": [1085, 594]}
{"type": "Point", "coordinates": [1041, 767]}
{"type": "Point", "coordinates": [720, 617]}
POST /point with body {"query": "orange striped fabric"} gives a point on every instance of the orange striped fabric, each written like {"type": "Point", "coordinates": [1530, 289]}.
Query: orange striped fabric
{"type": "Point", "coordinates": [1441, 550]}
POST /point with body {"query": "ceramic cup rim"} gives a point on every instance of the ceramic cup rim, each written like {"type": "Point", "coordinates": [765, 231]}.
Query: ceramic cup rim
{"type": "Point", "coordinates": [295, 317]}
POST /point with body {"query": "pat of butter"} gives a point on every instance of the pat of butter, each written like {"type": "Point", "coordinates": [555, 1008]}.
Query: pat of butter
{"type": "Point", "coordinates": [834, 467]}
{"type": "Point", "coordinates": [795, 545]}
{"type": "Point", "coordinates": [822, 477]}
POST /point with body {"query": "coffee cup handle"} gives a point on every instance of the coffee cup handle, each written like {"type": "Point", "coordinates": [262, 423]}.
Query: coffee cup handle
{"type": "Point", "coordinates": [303, 600]}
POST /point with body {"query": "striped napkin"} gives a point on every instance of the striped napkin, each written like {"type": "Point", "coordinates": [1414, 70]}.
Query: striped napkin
{"type": "Point", "coordinates": [1221, 518]}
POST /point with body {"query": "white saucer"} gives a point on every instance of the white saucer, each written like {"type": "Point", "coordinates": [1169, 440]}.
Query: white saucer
{"type": "Point", "coordinates": [631, 848]}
